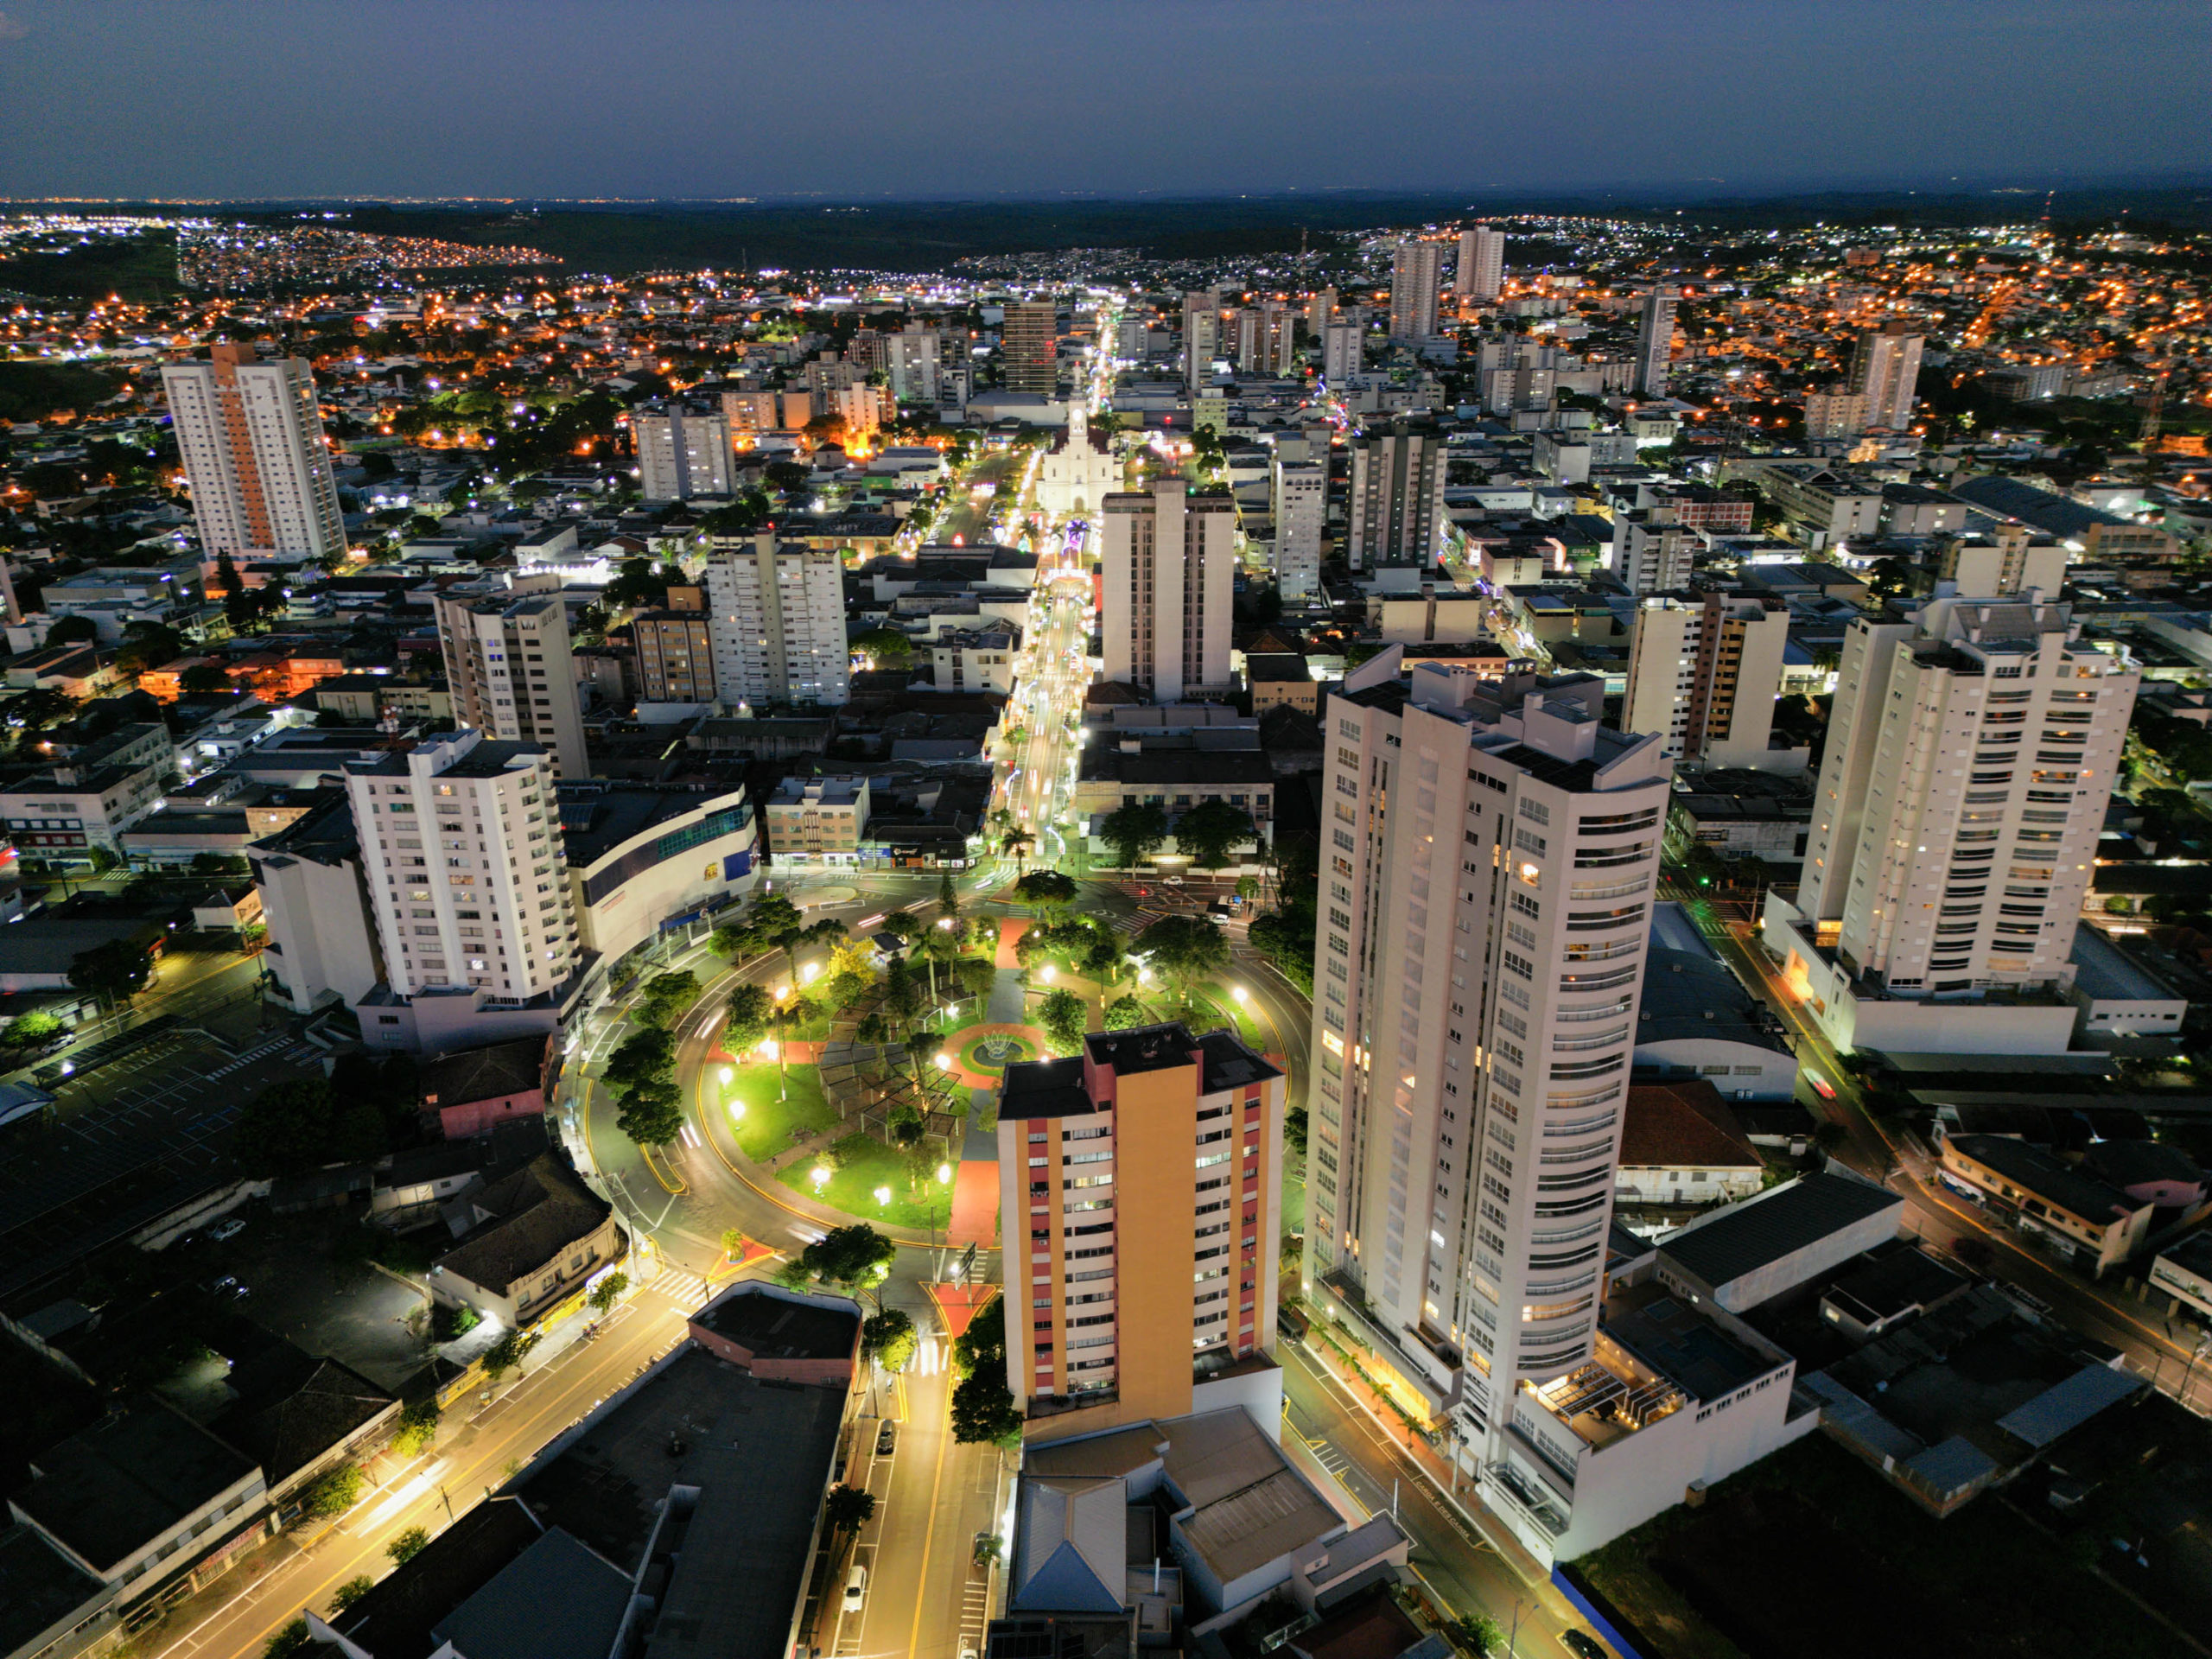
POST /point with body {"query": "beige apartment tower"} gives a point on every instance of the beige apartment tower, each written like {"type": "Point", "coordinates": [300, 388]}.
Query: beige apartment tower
{"type": "Point", "coordinates": [249, 434]}
{"type": "Point", "coordinates": [776, 615]}
{"type": "Point", "coordinates": [1412, 290]}
{"type": "Point", "coordinates": [1029, 341]}
{"type": "Point", "coordinates": [509, 670]}
{"type": "Point", "coordinates": [1139, 1188]}
{"type": "Point", "coordinates": [1487, 876]}
{"type": "Point", "coordinates": [1481, 275]}
{"type": "Point", "coordinates": [1169, 568]}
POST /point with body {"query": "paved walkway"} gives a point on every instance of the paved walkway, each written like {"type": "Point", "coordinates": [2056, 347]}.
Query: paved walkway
{"type": "Point", "coordinates": [1009, 1001]}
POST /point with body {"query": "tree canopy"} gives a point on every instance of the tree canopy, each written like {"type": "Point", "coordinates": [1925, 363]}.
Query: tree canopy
{"type": "Point", "coordinates": [982, 1404]}
{"type": "Point", "coordinates": [1211, 831]}
{"type": "Point", "coordinates": [301, 1123]}
{"type": "Point", "coordinates": [117, 971]}
{"type": "Point", "coordinates": [1134, 830]}
{"type": "Point", "coordinates": [849, 1255]}
{"type": "Point", "coordinates": [1182, 950]}
{"type": "Point", "coordinates": [1063, 1017]}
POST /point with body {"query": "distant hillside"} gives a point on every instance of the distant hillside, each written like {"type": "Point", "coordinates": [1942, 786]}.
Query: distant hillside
{"type": "Point", "coordinates": [142, 267]}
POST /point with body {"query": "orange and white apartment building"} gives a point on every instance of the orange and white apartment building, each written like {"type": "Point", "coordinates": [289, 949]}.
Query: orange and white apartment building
{"type": "Point", "coordinates": [1144, 1176]}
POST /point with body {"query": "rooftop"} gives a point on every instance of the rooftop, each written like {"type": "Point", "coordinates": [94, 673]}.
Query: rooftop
{"type": "Point", "coordinates": [1683, 1126]}
{"type": "Point", "coordinates": [1744, 1237]}
{"type": "Point", "coordinates": [1669, 1337]}
{"type": "Point", "coordinates": [533, 1214]}
{"type": "Point", "coordinates": [121, 1483]}
{"type": "Point", "coordinates": [770, 1324]}
{"type": "Point", "coordinates": [509, 1068]}
{"type": "Point", "coordinates": [2046, 1176]}
{"type": "Point", "coordinates": [759, 1454]}
{"type": "Point", "coordinates": [1040, 1089]}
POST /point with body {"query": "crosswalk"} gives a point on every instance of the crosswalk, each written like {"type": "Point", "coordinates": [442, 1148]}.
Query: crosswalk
{"type": "Point", "coordinates": [678, 1284]}
{"type": "Point", "coordinates": [289, 1048]}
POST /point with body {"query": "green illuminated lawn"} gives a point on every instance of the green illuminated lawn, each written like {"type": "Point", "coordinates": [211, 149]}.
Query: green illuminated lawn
{"type": "Point", "coordinates": [866, 1165]}
{"type": "Point", "coordinates": [769, 1124]}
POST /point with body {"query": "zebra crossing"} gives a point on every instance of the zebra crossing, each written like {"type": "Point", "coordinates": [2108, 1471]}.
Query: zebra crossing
{"type": "Point", "coordinates": [288, 1047]}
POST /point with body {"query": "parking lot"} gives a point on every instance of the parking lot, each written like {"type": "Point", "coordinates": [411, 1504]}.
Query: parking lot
{"type": "Point", "coordinates": [326, 1300]}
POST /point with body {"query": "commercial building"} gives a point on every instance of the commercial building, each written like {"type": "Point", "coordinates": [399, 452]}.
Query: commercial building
{"type": "Point", "coordinates": [1302, 505]}
{"type": "Point", "coordinates": [1145, 1175]}
{"type": "Point", "coordinates": [1655, 341]}
{"type": "Point", "coordinates": [1787, 1236]}
{"type": "Point", "coordinates": [1029, 347]}
{"type": "Point", "coordinates": [1972, 752]}
{"type": "Point", "coordinates": [509, 670]}
{"type": "Point", "coordinates": [1394, 518]}
{"type": "Point", "coordinates": [1412, 290]}
{"type": "Point", "coordinates": [1486, 887]}
{"type": "Point", "coordinates": [776, 618]}
{"type": "Point", "coordinates": [1481, 274]}
{"type": "Point", "coordinates": [460, 838]}
{"type": "Point", "coordinates": [676, 657]}
{"type": "Point", "coordinates": [2080, 1215]}
{"type": "Point", "coordinates": [723, 1451]}
{"type": "Point", "coordinates": [683, 450]}
{"type": "Point", "coordinates": [645, 859]}
{"type": "Point", "coordinates": [1697, 1021]}
{"type": "Point", "coordinates": [87, 801]}
{"type": "Point", "coordinates": [819, 818]}
{"type": "Point", "coordinates": [1168, 570]}
{"type": "Point", "coordinates": [1706, 674]}
{"type": "Point", "coordinates": [249, 435]}
{"type": "Point", "coordinates": [1885, 371]}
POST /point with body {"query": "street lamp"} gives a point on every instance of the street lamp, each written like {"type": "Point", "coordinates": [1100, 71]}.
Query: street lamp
{"type": "Point", "coordinates": [882, 1196]}
{"type": "Point", "coordinates": [729, 1076]}
{"type": "Point", "coordinates": [821, 1176]}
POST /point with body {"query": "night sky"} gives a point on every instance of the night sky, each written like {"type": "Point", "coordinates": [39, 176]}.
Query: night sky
{"type": "Point", "coordinates": [940, 97]}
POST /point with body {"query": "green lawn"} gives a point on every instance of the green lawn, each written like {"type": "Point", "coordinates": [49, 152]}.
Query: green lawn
{"type": "Point", "coordinates": [866, 1165]}
{"type": "Point", "coordinates": [1211, 1006]}
{"type": "Point", "coordinates": [769, 1124]}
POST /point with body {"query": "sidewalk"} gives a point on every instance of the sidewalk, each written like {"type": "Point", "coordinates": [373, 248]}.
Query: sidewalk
{"type": "Point", "coordinates": [1426, 1463]}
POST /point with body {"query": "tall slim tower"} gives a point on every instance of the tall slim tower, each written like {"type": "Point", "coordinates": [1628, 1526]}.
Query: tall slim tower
{"type": "Point", "coordinates": [249, 434]}
{"type": "Point", "coordinates": [1486, 898]}
{"type": "Point", "coordinates": [1885, 371]}
{"type": "Point", "coordinates": [1169, 568]}
{"type": "Point", "coordinates": [1145, 1174]}
{"type": "Point", "coordinates": [1655, 343]}
{"type": "Point", "coordinates": [1201, 338]}
{"type": "Point", "coordinates": [1302, 505]}
{"type": "Point", "coordinates": [1394, 517]}
{"type": "Point", "coordinates": [1030, 345]}
{"type": "Point", "coordinates": [511, 670]}
{"type": "Point", "coordinates": [460, 838]}
{"type": "Point", "coordinates": [776, 618]}
{"type": "Point", "coordinates": [1971, 754]}
{"type": "Point", "coordinates": [1412, 290]}
{"type": "Point", "coordinates": [1481, 275]}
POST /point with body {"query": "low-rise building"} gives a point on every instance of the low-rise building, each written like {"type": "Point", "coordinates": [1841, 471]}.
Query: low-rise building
{"type": "Point", "coordinates": [2181, 1272]}
{"type": "Point", "coordinates": [1742, 1255]}
{"type": "Point", "coordinates": [1681, 1144]}
{"type": "Point", "coordinates": [1281, 679]}
{"type": "Point", "coordinates": [975, 659]}
{"type": "Point", "coordinates": [539, 1234]}
{"type": "Point", "coordinates": [818, 819]}
{"type": "Point", "coordinates": [473, 1088]}
{"type": "Point", "coordinates": [87, 802]}
{"type": "Point", "coordinates": [2078, 1214]}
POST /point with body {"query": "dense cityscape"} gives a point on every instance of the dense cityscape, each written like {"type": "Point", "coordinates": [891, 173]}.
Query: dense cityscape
{"type": "Point", "coordinates": [588, 852]}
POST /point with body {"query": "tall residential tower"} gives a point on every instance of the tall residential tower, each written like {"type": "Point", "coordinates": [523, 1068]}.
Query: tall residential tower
{"type": "Point", "coordinates": [1412, 290]}
{"type": "Point", "coordinates": [510, 669]}
{"type": "Point", "coordinates": [249, 434]}
{"type": "Point", "coordinates": [1169, 570]}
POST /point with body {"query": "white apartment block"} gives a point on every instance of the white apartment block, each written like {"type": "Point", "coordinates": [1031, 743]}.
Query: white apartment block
{"type": "Point", "coordinates": [460, 841]}
{"type": "Point", "coordinates": [1971, 754]}
{"type": "Point", "coordinates": [747, 415]}
{"type": "Point", "coordinates": [251, 436]}
{"type": "Point", "coordinates": [1655, 343]}
{"type": "Point", "coordinates": [1481, 274]}
{"type": "Point", "coordinates": [1651, 553]}
{"type": "Point", "coordinates": [2014, 560]}
{"type": "Point", "coordinates": [1704, 674]}
{"type": "Point", "coordinates": [1342, 343]}
{"type": "Point", "coordinates": [1301, 506]}
{"type": "Point", "coordinates": [684, 451]}
{"type": "Point", "coordinates": [1830, 416]}
{"type": "Point", "coordinates": [509, 670]}
{"type": "Point", "coordinates": [1201, 338]}
{"type": "Point", "coordinates": [910, 360]}
{"type": "Point", "coordinates": [1170, 565]}
{"type": "Point", "coordinates": [1885, 371]}
{"type": "Point", "coordinates": [1486, 892]}
{"type": "Point", "coordinates": [1395, 519]}
{"type": "Point", "coordinates": [777, 615]}
{"type": "Point", "coordinates": [1412, 290]}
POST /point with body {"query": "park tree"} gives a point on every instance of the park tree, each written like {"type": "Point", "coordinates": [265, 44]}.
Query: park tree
{"type": "Point", "coordinates": [607, 1292]}
{"type": "Point", "coordinates": [746, 1020]}
{"type": "Point", "coordinates": [974, 977]}
{"type": "Point", "coordinates": [1064, 1018]}
{"type": "Point", "coordinates": [1182, 950]}
{"type": "Point", "coordinates": [888, 1339]}
{"type": "Point", "coordinates": [1047, 889]}
{"type": "Point", "coordinates": [1134, 830]}
{"type": "Point", "coordinates": [856, 1255]}
{"type": "Point", "coordinates": [652, 1113]}
{"type": "Point", "coordinates": [1211, 831]}
{"type": "Point", "coordinates": [645, 1054]}
{"type": "Point", "coordinates": [666, 996]}
{"type": "Point", "coordinates": [1124, 1014]}
{"type": "Point", "coordinates": [982, 1404]}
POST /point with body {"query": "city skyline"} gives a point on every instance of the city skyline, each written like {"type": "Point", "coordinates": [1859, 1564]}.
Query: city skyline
{"type": "Point", "coordinates": [581, 106]}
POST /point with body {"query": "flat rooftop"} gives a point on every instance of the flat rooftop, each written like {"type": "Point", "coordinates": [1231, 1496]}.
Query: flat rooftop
{"type": "Point", "coordinates": [772, 1326]}
{"type": "Point", "coordinates": [1041, 1088]}
{"type": "Point", "coordinates": [760, 1454]}
{"type": "Point", "coordinates": [127, 1479]}
{"type": "Point", "coordinates": [1745, 1237]}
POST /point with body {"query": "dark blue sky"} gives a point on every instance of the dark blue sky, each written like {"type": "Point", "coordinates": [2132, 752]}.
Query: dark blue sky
{"type": "Point", "coordinates": [947, 98]}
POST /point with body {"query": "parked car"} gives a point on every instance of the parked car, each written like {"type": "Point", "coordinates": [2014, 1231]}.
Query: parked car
{"type": "Point", "coordinates": [223, 1229]}
{"type": "Point", "coordinates": [1583, 1645]}
{"type": "Point", "coordinates": [887, 1439]}
{"type": "Point", "coordinates": [855, 1588]}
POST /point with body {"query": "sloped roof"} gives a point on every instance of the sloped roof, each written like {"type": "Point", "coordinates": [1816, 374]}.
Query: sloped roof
{"type": "Point", "coordinates": [1074, 1546]}
{"type": "Point", "coordinates": [1682, 1126]}
{"type": "Point", "coordinates": [535, 1212]}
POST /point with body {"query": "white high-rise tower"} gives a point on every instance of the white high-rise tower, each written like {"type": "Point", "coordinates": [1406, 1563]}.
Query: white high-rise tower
{"type": "Point", "coordinates": [1168, 572]}
{"type": "Point", "coordinates": [1412, 290]}
{"type": "Point", "coordinates": [1481, 275]}
{"type": "Point", "coordinates": [1655, 343]}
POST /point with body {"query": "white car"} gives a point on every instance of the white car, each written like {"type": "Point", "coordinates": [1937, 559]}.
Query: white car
{"type": "Point", "coordinates": [229, 1229]}
{"type": "Point", "coordinates": [855, 1588]}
